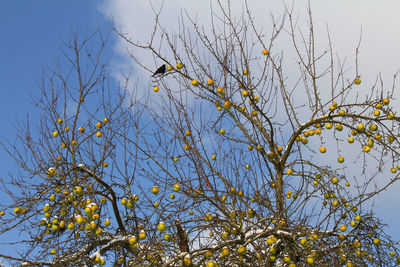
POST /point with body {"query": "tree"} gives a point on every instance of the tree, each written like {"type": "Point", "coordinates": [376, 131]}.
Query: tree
{"type": "Point", "coordinates": [231, 163]}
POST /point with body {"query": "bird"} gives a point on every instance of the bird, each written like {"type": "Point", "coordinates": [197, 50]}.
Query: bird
{"type": "Point", "coordinates": [160, 70]}
{"type": "Point", "coordinates": [182, 237]}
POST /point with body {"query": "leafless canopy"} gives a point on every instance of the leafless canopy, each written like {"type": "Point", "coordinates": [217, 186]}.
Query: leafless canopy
{"type": "Point", "coordinates": [242, 158]}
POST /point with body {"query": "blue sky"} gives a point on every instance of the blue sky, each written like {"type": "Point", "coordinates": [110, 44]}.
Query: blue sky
{"type": "Point", "coordinates": [31, 34]}
{"type": "Point", "coordinates": [31, 38]}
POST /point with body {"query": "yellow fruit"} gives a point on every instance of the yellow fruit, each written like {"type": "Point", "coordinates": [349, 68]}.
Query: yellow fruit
{"type": "Point", "coordinates": [81, 130]}
{"type": "Point", "coordinates": [225, 251]}
{"type": "Point", "coordinates": [265, 52]}
{"type": "Point", "coordinates": [167, 237]}
{"type": "Point", "coordinates": [79, 220]}
{"type": "Point", "coordinates": [172, 196]}
{"type": "Point", "coordinates": [310, 260]}
{"type": "Point", "coordinates": [386, 101]}
{"type": "Point", "coordinates": [99, 134]}
{"type": "Point", "coordinates": [357, 81]}
{"type": "Point", "coordinates": [176, 188]}
{"type": "Point", "coordinates": [179, 66]}
{"type": "Point", "coordinates": [133, 240]}
{"type": "Point", "coordinates": [161, 227]}
{"type": "Point", "coordinates": [328, 126]}
{"type": "Point", "coordinates": [74, 142]}
{"type": "Point", "coordinates": [377, 113]}
{"type": "Point", "coordinates": [213, 157]}
{"type": "Point", "coordinates": [322, 149]}
{"type": "Point", "coordinates": [156, 89]}
{"type": "Point", "coordinates": [335, 180]}
{"type": "Point", "coordinates": [227, 105]}
{"type": "Point", "coordinates": [373, 127]}
{"type": "Point", "coordinates": [289, 171]}
{"type": "Point", "coordinates": [343, 228]}
{"type": "Point", "coordinates": [210, 82]}
{"type": "Point", "coordinates": [155, 190]}
{"type": "Point", "coordinates": [366, 148]}
{"type": "Point", "coordinates": [94, 207]}
{"type": "Point", "coordinates": [135, 197]}
{"type": "Point", "coordinates": [251, 213]}
{"type": "Point", "coordinates": [222, 131]}
{"type": "Point", "coordinates": [142, 235]}
{"type": "Point", "coordinates": [187, 261]}
{"type": "Point", "coordinates": [70, 226]}
{"type": "Point", "coordinates": [340, 159]}
{"type": "Point", "coordinates": [208, 217]}
{"type": "Point", "coordinates": [245, 93]}
{"type": "Point", "coordinates": [55, 133]}
{"type": "Point", "coordinates": [303, 241]}
{"type": "Point", "coordinates": [195, 82]}
{"type": "Point", "coordinates": [107, 222]}
{"type": "Point", "coordinates": [339, 127]}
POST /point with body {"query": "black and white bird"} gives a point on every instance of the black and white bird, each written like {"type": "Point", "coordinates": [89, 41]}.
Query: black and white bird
{"type": "Point", "coordinates": [160, 70]}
